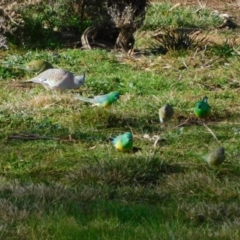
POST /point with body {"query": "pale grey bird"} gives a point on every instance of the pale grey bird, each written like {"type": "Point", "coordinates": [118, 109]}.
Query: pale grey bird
{"type": "Point", "coordinates": [215, 157]}
{"type": "Point", "coordinates": [165, 113]}
{"type": "Point", "coordinates": [58, 79]}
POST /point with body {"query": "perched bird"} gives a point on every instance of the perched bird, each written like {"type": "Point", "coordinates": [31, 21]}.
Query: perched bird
{"type": "Point", "coordinates": [123, 142]}
{"type": "Point", "coordinates": [101, 100]}
{"type": "Point", "coordinates": [36, 66]}
{"type": "Point", "coordinates": [215, 157]}
{"type": "Point", "coordinates": [58, 79]}
{"type": "Point", "coordinates": [202, 108]}
{"type": "Point", "coordinates": [165, 113]}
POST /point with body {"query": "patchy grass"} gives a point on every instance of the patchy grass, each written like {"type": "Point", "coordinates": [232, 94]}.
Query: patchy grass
{"type": "Point", "coordinates": [165, 14]}
{"type": "Point", "coordinates": [79, 186]}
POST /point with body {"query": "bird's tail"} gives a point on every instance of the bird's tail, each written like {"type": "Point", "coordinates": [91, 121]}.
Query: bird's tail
{"type": "Point", "coordinates": [84, 99]}
{"type": "Point", "coordinates": [32, 80]}
{"type": "Point", "coordinates": [110, 139]}
{"type": "Point", "coordinates": [13, 65]}
{"type": "Point", "coordinates": [27, 81]}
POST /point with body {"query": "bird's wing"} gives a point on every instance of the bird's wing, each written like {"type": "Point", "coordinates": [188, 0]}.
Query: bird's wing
{"type": "Point", "coordinates": [116, 140]}
{"type": "Point", "coordinates": [64, 80]}
{"type": "Point", "coordinates": [19, 66]}
{"type": "Point", "coordinates": [101, 99]}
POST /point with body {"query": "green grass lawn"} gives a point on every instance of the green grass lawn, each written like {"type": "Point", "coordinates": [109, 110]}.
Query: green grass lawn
{"type": "Point", "coordinates": [79, 187]}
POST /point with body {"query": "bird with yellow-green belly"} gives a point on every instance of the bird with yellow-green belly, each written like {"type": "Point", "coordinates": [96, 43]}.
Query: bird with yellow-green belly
{"type": "Point", "coordinates": [123, 142]}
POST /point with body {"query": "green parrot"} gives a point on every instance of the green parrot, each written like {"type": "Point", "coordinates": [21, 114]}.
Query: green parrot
{"type": "Point", "coordinates": [36, 66]}
{"type": "Point", "coordinates": [101, 100]}
{"type": "Point", "coordinates": [165, 113]}
{"type": "Point", "coordinates": [123, 142]}
{"type": "Point", "coordinates": [202, 108]}
{"type": "Point", "coordinates": [215, 157]}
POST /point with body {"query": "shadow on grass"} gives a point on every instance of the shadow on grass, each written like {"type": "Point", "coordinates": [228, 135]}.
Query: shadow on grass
{"type": "Point", "coordinates": [127, 170]}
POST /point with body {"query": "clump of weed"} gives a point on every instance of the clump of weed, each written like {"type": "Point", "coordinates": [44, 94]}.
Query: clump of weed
{"type": "Point", "coordinates": [225, 49]}
{"type": "Point", "coordinates": [177, 40]}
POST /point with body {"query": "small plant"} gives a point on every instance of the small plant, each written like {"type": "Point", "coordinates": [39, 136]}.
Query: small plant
{"type": "Point", "coordinates": [176, 40]}
{"type": "Point", "coordinates": [225, 50]}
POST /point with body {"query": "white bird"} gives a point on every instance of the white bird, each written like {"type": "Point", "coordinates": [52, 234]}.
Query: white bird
{"type": "Point", "coordinates": [58, 79]}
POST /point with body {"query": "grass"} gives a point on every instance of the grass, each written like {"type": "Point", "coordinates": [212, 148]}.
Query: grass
{"type": "Point", "coordinates": [165, 15]}
{"type": "Point", "coordinates": [84, 188]}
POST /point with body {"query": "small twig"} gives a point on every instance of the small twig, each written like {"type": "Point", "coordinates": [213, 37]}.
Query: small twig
{"type": "Point", "coordinates": [202, 5]}
{"type": "Point", "coordinates": [180, 77]}
{"type": "Point", "coordinates": [176, 5]}
{"type": "Point", "coordinates": [180, 124]}
{"type": "Point", "coordinates": [185, 65]}
{"type": "Point", "coordinates": [207, 64]}
{"type": "Point", "coordinates": [156, 141]}
{"type": "Point", "coordinates": [212, 133]}
{"type": "Point", "coordinates": [51, 104]}
{"type": "Point", "coordinates": [204, 51]}
{"type": "Point", "coordinates": [195, 53]}
{"type": "Point", "coordinates": [30, 136]}
{"type": "Point", "coordinates": [236, 51]}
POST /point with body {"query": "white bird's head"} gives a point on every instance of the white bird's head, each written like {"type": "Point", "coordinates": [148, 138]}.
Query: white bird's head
{"type": "Point", "coordinates": [79, 80]}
